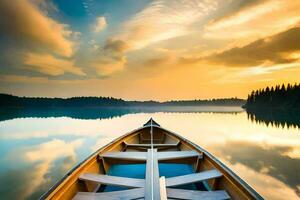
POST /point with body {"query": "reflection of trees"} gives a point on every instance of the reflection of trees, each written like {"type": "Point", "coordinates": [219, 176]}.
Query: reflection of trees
{"type": "Point", "coordinates": [98, 112]}
{"type": "Point", "coordinates": [272, 161]}
{"type": "Point", "coordinates": [277, 118]}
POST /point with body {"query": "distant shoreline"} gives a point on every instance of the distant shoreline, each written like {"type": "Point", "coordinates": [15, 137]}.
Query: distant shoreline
{"type": "Point", "coordinates": [7, 100]}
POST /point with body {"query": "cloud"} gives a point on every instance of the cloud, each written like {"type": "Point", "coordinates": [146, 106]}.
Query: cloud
{"type": "Point", "coordinates": [163, 20]}
{"type": "Point", "coordinates": [257, 20]}
{"type": "Point", "coordinates": [24, 22]}
{"type": "Point", "coordinates": [116, 46]}
{"type": "Point", "coordinates": [100, 24]}
{"type": "Point", "coordinates": [157, 62]}
{"type": "Point", "coordinates": [274, 49]}
{"type": "Point", "coordinates": [49, 65]}
{"type": "Point", "coordinates": [158, 21]}
{"type": "Point", "coordinates": [108, 65]}
{"type": "Point", "coordinates": [111, 58]}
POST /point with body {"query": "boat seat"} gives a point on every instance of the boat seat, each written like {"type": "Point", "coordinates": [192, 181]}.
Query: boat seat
{"type": "Point", "coordinates": [152, 180]}
{"type": "Point", "coordinates": [123, 194]}
{"type": "Point", "coordinates": [146, 146]}
{"type": "Point", "coordinates": [135, 182]}
{"type": "Point", "coordinates": [196, 194]}
{"type": "Point", "coordinates": [113, 180]}
{"type": "Point", "coordinates": [172, 155]}
{"type": "Point", "coordinates": [193, 178]}
{"type": "Point", "coordinates": [142, 156]}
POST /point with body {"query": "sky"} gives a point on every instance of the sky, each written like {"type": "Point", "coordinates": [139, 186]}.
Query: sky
{"type": "Point", "coordinates": [148, 49]}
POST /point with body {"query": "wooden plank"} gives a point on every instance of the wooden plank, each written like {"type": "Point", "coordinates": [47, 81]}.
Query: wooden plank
{"type": "Point", "coordinates": [163, 189]}
{"type": "Point", "coordinates": [139, 156]}
{"type": "Point", "coordinates": [171, 155]}
{"type": "Point", "coordinates": [193, 178]}
{"type": "Point", "coordinates": [113, 180]}
{"type": "Point", "coordinates": [158, 146]}
{"type": "Point", "coordinates": [195, 194]}
{"type": "Point", "coordinates": [152, 189]}
{"type": "Point", "coordinates": [116, 195]}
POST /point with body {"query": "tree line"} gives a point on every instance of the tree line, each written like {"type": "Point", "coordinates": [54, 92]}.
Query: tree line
{"type": "Point", "coordinates": [279, 97]}
{"type": "Point", "coordinates": [7, 100]}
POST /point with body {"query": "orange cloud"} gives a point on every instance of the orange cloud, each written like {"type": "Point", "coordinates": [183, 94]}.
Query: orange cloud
{"type": "Point", "coordinates": [262, 19]}
{"type": "Point", "coordinates": [108, 65]}
{"type": "Point", "coordinates": [270, 50]}
{"type": "Point", "coordinates": [49, 65]}
{"type": "Point", "coordinates": [23, 21]}
{"type": "Point", "coordinates": [163, 20]}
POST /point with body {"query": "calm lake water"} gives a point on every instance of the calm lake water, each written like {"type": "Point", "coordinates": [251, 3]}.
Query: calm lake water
{"type": "Point", "coordinates": [38, 147]}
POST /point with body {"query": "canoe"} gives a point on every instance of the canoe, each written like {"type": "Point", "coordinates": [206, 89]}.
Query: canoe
{"type": "Point", "coordinates": [151, 163]}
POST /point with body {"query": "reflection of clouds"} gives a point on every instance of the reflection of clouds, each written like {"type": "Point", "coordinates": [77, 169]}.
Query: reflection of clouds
{"type": "Point", "coordinates": [45, 155]}
{"type": "Point", "coordinates": [50, 151]}
{"type": "Point", "coordinates": [46, 127]}
{"type": "Point", "coordinates": [56, 127]}
{"type": "Point", "coordinates": [264, 184]}
{"type": "Point", "coordinates": [271, 161]}
{"type": "Point", "coordinates": [266, 157]}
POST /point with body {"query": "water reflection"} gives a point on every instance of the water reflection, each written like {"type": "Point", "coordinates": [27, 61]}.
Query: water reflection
{"type": "Point", "coordinates": [278, 118]}
{"type": "Point", "coordinates": [33, 169]}
{"type": "Point", "coordinates": [271, 160]}
{"type": "Point", "coordinates": [105, 113]}
{"type": "Point", "coordinates": [37, 152]}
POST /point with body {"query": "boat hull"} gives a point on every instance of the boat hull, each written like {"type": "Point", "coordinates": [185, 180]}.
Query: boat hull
{"type": "Point", "coordinates": [133, 147]}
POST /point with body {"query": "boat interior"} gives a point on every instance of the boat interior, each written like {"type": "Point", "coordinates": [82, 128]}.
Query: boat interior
{"type": "Point", "coordinates": [150, 163]}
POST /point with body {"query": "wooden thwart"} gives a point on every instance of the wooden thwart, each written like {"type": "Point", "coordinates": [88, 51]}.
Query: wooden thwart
{"type": "Point", "coordinates": [117, 195]}
{"type": "Point", "coordinates": [193, 178]}
{"type": "Point", "coordinates": [146, 146]}
{"type": "Point", "coordinates": [141, 156]}
{"type": "Point", "coordinates": [172, 155]}
{"type": "Point", "coordinates": [134, 156]}
{"type": "Point", "coordinates": [113, 180]}
{"type": "Point", "coordinates": [195, 194]}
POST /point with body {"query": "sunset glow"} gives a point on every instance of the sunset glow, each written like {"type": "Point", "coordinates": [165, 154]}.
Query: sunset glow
{"type": "Point", "coordinates": [148, 49]}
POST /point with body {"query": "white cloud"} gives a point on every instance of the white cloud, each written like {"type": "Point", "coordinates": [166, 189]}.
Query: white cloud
{"type": "Point", "coordinates": [163, 19]}
{"type": "Point", "coordinates": [100, 24]}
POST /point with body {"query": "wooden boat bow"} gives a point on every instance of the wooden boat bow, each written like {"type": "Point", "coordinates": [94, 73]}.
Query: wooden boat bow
{"type": "Point", "coordinates": [173, 168]}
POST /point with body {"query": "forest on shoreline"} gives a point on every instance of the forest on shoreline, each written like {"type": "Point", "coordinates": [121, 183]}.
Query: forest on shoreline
{"type": "Point", "coordinates": [278, 97]}
{"type": "Point", "coordinates": [7, 100]}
